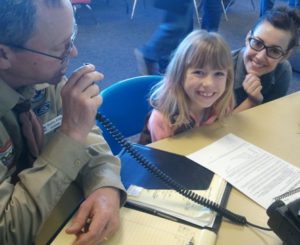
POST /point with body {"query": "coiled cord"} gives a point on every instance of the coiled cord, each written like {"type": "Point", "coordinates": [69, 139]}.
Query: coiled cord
{"type": "Point", "coordinates": [170, 182]}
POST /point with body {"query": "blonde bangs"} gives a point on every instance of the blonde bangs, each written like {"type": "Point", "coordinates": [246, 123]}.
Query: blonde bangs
{"type": "Point", "coordinates": [211, 51]}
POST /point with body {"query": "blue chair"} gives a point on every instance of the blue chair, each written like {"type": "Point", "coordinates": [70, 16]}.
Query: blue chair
{"type": "Point", "coordinates": [125, 104]}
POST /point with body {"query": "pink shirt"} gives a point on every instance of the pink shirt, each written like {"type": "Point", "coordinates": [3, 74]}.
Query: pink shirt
{"type": "Point", "coordinates": [160, 126]}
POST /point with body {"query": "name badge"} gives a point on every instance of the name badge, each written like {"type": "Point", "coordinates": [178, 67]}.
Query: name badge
{"type": "Point", "coordinates": [52, 124]}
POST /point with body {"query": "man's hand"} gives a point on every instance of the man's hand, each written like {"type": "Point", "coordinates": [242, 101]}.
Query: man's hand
{"type": "Point", "coordinates": [97, 218]}
{"type": "Point", "coordinates": [252, 86]}
{"type": "Point", "coordinates": [80, 101]}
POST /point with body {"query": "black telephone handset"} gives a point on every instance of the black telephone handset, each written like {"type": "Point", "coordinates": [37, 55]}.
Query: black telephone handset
{"type": "Point", "coordinates": [116, 134]}
{"type": "Point", "coordinates": [285, 221]}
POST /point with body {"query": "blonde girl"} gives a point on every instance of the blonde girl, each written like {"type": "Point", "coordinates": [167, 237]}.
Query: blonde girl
{"type": "Point", "coordinates": [197, 88]}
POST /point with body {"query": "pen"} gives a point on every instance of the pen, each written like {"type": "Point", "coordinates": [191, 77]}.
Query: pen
{"type": "Point", "coordinates": [161, 214]}
{"type": "Point", "coordinates": [191, 242]}
{"type": "Point", "coordinates": [153, 211]}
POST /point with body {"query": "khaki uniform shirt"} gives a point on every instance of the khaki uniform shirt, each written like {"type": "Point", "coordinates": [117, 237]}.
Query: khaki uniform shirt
{"type": "Point", "coordinates": [26, 205]}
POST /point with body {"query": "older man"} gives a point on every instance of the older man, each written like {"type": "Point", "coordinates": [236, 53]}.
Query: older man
{"type": "Point", "coordinates": [47, 133]}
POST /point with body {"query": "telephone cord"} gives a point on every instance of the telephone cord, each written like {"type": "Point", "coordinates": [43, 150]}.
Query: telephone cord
{"type": "Point", "coordinates": [170, 182]}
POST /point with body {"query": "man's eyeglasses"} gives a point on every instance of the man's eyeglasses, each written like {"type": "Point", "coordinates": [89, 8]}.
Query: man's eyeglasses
{"type": "Point", "coordinates": [274, 52]}
{"type": "Point", "coordinates": [62, 58]}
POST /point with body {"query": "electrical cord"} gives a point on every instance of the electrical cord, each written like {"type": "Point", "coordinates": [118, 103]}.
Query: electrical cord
{"type": "Point", "coordinates": [170, 182]}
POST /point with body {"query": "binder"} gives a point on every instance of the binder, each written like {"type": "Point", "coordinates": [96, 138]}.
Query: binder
{"type": "Point", "coordinates": [148, 226]}
{"type": "Point", "coordinates": [182, 169]}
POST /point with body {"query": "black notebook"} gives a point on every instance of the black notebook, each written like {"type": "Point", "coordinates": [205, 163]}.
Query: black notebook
{"type": "Point", "coordinates": [188, 173]}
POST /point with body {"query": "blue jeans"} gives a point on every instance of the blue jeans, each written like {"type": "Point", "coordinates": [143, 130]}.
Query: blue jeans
{"type": "Point", "coordinates": [173, 28]}
{"type": "Point", "coordinates": [176, 26]}
{"type": "Point", "coordinates": [211, 14]}
{"type": "Point", "coordinates": [294, 3]}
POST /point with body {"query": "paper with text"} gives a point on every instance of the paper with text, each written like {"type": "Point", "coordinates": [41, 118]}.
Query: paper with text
{"type": "Point", "coordinates": [174, 204]}
{"type": "Point", "coordinates": [141, 228]}
{"type": "Point", "coordinates": [254, 171]}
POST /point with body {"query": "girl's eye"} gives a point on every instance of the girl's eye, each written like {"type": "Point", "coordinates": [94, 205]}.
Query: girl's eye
{"type": "Point", "coordinates": [220, 74]}
{"type": "Point", "coordinates": [199, 72]}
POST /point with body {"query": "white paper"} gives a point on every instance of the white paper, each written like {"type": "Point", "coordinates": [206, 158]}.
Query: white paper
{"type": "Point", "coordinates": [172, 203]}
{"type": "Point", "coordinates": [255, 172]}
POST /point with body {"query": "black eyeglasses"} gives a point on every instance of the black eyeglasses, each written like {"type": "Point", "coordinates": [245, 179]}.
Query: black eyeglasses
{"type": "Point", "coordinates": [62, 58]}
{"type": "Point", "coordinates": [274, 52]}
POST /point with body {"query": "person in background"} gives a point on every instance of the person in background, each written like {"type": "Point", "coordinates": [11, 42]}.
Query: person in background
{"type": "Point", "coordinates": [262, 72]}
{"type": "Point", "coordinates": [176, 24]}
{"type": "Point", "coordinates": [266, 5]}
{"type": "Point", "coordinates": [197, 88]}
{"type": "Point", "coordinates": [47, 135]}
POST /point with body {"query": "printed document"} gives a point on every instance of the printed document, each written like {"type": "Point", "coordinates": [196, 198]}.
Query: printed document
{"type": "Point", "coordinates": [257, 173]}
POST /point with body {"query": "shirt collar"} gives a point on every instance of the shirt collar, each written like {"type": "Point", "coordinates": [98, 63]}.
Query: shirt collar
{"type": "Point", "coordinates": [9, 97]}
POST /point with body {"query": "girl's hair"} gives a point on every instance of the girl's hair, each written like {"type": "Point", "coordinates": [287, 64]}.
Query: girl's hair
{"type": "Point", "coordinates": [283, 18]}
{"type": "Point", "coordinates": [198, 50]}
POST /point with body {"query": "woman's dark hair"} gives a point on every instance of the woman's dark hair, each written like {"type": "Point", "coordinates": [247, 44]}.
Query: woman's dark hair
{"type": "Point", "coordinates": [283, 18]}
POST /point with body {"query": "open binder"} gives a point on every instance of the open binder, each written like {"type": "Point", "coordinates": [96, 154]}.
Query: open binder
{"type": "Point", "coordinates": [183, 170]}
{"type": "Point", "coordinates": [147, 224]}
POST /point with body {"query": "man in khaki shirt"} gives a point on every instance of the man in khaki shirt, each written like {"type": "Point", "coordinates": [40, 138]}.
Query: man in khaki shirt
{"type": "Point", "coordinates": [36, 42]}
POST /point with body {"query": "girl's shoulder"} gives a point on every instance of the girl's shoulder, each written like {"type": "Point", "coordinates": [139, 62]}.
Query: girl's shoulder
{"type": "Point", "coordinates": [159, 126]}
{"type": "Point", "coordinates": [158, 117]}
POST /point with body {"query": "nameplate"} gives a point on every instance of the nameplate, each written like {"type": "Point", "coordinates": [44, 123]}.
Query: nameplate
{"type": "Point", "coordinates": [52, 124]}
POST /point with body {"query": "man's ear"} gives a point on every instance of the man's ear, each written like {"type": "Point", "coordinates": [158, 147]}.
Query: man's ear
{"type": "Point", "coordinates": [4, 57]}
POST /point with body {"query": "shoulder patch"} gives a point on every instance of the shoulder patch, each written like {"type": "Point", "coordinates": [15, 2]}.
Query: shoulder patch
{"type": "Point", "coordinates": [7, 153]}
{"type": "Point", "coordinates": [38, 96]}
{"type": "Point", "coordinates": [44, 108]}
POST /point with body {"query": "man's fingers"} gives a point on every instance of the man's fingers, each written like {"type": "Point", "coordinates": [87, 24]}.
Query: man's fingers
{"type": "Point", "coordinates": [79, 222]}
{"type": "Point", "coordinates": [79, 72]}
{"type": "Point", "coordinates": [92, 90]}
{"type": "Point", "coordinates": [96, 232]}
{"type": "Point", "coordinates": [87, 80]}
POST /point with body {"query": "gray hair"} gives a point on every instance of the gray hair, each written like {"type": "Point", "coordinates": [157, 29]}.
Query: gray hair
{"type": "Point", "coordinates": [18, 18]}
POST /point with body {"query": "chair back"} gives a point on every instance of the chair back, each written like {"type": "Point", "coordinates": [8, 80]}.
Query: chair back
{"type": "Point", "coordinates": [125, 104]}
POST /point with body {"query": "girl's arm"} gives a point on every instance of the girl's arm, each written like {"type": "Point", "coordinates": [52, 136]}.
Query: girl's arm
{"type": "Point", "coordinates": [246, 104]}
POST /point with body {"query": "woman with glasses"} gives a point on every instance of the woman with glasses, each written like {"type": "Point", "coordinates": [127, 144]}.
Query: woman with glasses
{"type": "Point", "coordinates": [262, 72]}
